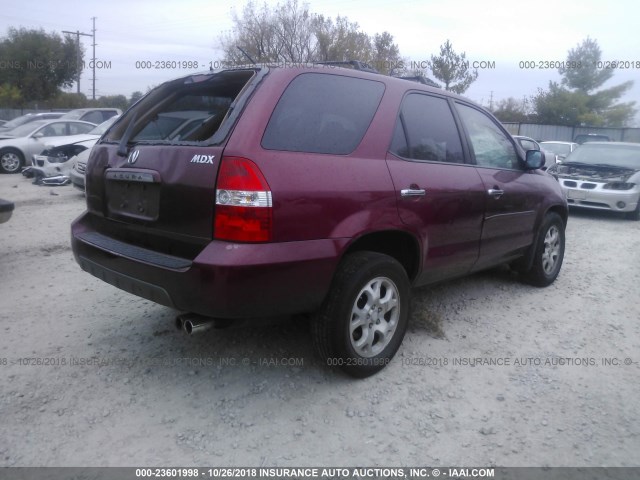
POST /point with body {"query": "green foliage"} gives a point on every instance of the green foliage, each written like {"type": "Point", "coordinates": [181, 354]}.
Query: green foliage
{"type": "Point", "coordinates": [452, 69]}
{"type": "Point", "coordinates": [585, 75]}
{"type": "Point", "coordinates": [110, 101]}
{"type": "Point", "coordinates": [576, 101]}
{"type": "Point", "coordinates": [135, 96]}
{"type": "Point", "coordinates": [512, 110]}
{"type": "Point", "coordinates": [291, 33]}
{"type": "Point", "coordinates": [37, 63]}
{"type": "Point", "coordinates": [10, 96]}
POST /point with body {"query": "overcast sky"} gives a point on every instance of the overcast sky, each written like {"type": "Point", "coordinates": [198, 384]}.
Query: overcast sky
{"type": "Point", "coordinates": [503, 32]}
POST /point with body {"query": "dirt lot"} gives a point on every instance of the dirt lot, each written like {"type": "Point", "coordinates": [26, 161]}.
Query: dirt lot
{"type": "Point", "coordinates": [93, 376]}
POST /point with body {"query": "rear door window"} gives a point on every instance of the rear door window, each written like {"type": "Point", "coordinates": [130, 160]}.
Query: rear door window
{"type": "Point", "coordinates": [320, 113]}
{"type": "Point", "coordinates": [426, 131]}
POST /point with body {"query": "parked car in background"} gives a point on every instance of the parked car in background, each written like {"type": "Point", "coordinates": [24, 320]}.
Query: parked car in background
{"type": "Point", "coordinates": [79, 169]}
{"type": "Point", "coordinates": [93, 134]}
{"type": "Point", "coordinates": [18, 146]}
{"type": "Point", "coordinates": [559, 149]}
{"type": "Point", "coordinates": [602, 176]}
{"type": "Point", "coordinates": [29, 117]}
{"type": "Point", "coordinates": [317, 190]}
{"type": "Point", "coordinates": [58, 156]}
{"type": "Point", "coordinates": [93, 115]}
{"type": "Point", "coordinates": [6, 210]}
{"type": "Point", "coordinates": [590, 137]}
{"type": "Point", "coordinates": [528, 143]}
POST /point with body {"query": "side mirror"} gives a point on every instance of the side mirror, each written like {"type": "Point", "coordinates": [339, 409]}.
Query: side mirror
{"type": "Point", "coordinates": [37, 135]}
{"type": "Point", "coordinates": [534, 159]}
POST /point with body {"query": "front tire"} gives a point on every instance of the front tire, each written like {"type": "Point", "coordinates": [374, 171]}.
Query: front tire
{"type": "Point", "coordinates": [11, 160]}
{"type": "Point", "coordinates": [549, 252]}
{"type": "Point", "coordinates": [362, 322]}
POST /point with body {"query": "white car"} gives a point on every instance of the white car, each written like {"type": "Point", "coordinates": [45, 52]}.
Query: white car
{"type": "Point", "coordinates": [559, 149]}
{"type": "Point", "coordinates": [602, 176]}
{"type": "Point", "coordinates": [58, 158]}
{"type": "Point", "coordinates": [18, 146]}
{"type": "Point", "coordinates": [93, 134]}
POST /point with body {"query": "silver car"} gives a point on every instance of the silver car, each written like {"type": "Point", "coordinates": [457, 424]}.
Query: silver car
{"type": "Point", "coordinates": [18, 146]}
{"type": "Point", "coordinates": [602, 176]}
{"type": "Point", "coordinates": [559, 149]}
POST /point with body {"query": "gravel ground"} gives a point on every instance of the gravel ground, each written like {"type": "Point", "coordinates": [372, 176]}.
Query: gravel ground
{"type": "Point", "coordinates": [93, 376]}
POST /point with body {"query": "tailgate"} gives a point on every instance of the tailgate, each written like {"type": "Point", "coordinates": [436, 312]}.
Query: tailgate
{"type": "Point", "coordinates": [154, 172]}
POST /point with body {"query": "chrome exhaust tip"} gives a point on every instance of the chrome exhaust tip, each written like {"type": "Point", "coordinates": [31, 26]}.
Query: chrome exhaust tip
{"type": "Point", "coordinates": [191, 323]}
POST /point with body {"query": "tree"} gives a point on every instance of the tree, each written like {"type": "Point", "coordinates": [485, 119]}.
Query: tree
{"type": "Point", "coordinates": [110, 101]}
{"type": "Point", "coordinates": [559, 106]}
{"type": "Point", "coordinates": [452, 69]}
{"type": "Point", "coordinates": [512, 110]}
{"type": "Point", "coordinates": [135, 96]}
{"type": "Point", "coordinates": [10, 96]}
{"type": "Point", "coordinates": [40, 63]}
{"type": "Point", "coordinates": [291, 33]}
{"type": "Point", "coordinates": [576, 100]}
{"type": "Point", "coordinates": [581, 71]}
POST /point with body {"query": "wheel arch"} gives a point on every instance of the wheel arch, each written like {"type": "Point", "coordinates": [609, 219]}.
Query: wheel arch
{"type": "Point", "coordinates": [398, 244]}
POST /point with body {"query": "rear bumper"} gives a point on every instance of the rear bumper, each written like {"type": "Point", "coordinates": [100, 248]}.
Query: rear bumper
{"type": "Point", "coordinates": [226, 280]}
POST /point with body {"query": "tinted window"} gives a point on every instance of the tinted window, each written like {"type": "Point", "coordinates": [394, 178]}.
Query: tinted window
{"type": "Point", "coordinates": [490, 145]}
{"type": "Point", "coordinates": [426, 130]}
{"type": "Point", "coordinates": [93, 117]}
{"type": "Point", "coordinates": [54, 129]}
{"type": "Point", "coordinates": [321, 113]}
{"type": "Point", "coordinates": [76, 128]}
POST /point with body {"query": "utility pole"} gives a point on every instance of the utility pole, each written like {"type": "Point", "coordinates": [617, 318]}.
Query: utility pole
{"type": "Point", "coordinates": [77, 34]}
{"type": "Point", "coordinates": [491, 101]}
{"type": "Point", "coordinates": [94, 58]}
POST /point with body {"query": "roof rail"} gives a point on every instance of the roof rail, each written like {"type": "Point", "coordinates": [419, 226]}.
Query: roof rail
{"type": "Point", "coordinates": [356, 64]}
{"type": "Point", "coordinates": [422, 80]}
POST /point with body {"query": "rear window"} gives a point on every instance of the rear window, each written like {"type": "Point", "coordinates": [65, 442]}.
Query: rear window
{"type": "Point", "coordinates": [320, 113]}
{"type": "Point", "coordinates": [187, 110]}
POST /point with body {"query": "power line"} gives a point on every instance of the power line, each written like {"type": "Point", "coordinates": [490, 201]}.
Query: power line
{"type": "Point", "coordinates": [78, 60]}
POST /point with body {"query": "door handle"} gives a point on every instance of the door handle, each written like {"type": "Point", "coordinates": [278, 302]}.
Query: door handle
{"type": "Point", "coordinates": [413, 192]}
{"type": "Point", "coordinates": [495, 192]}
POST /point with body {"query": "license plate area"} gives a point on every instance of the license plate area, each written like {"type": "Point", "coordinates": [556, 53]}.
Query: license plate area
{"type": "Point", "coordinates": [133, 194]}
{"type": "Point", "coordinates": [576, 194]}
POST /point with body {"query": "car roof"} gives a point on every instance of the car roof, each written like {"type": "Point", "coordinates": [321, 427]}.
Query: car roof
{"type": "Point", "coordinates": [295, 69]}
{"type": "Point", "coordinates": [613, 144]}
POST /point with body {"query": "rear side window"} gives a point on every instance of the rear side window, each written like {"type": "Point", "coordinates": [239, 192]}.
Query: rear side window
{"type": "Point", "coordinates": [321, 113]}
{"type": "Point", "coordinates": [426, 130]}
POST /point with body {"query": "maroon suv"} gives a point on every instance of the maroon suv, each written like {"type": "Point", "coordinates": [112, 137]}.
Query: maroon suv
{"type": "Point", "coordinates": [257, 192]}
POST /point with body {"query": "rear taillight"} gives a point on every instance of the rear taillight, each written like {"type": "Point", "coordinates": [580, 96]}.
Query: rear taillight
{"type": "Point", "coordinates": [243, 202]}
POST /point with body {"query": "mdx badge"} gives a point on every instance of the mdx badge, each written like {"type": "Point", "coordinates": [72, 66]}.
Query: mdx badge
{"type": "Point", "coordinates": [133, 157]}
{"type": "Point", "coordinates": [203, 158]}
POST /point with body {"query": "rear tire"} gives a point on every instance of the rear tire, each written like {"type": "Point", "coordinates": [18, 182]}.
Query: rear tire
{"type": "Point", "coordinates": [11, 160]}
{"type": "Point", "coordinates": [362, 322]}
{"type": "Point", "coordinates": [549, 252]}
